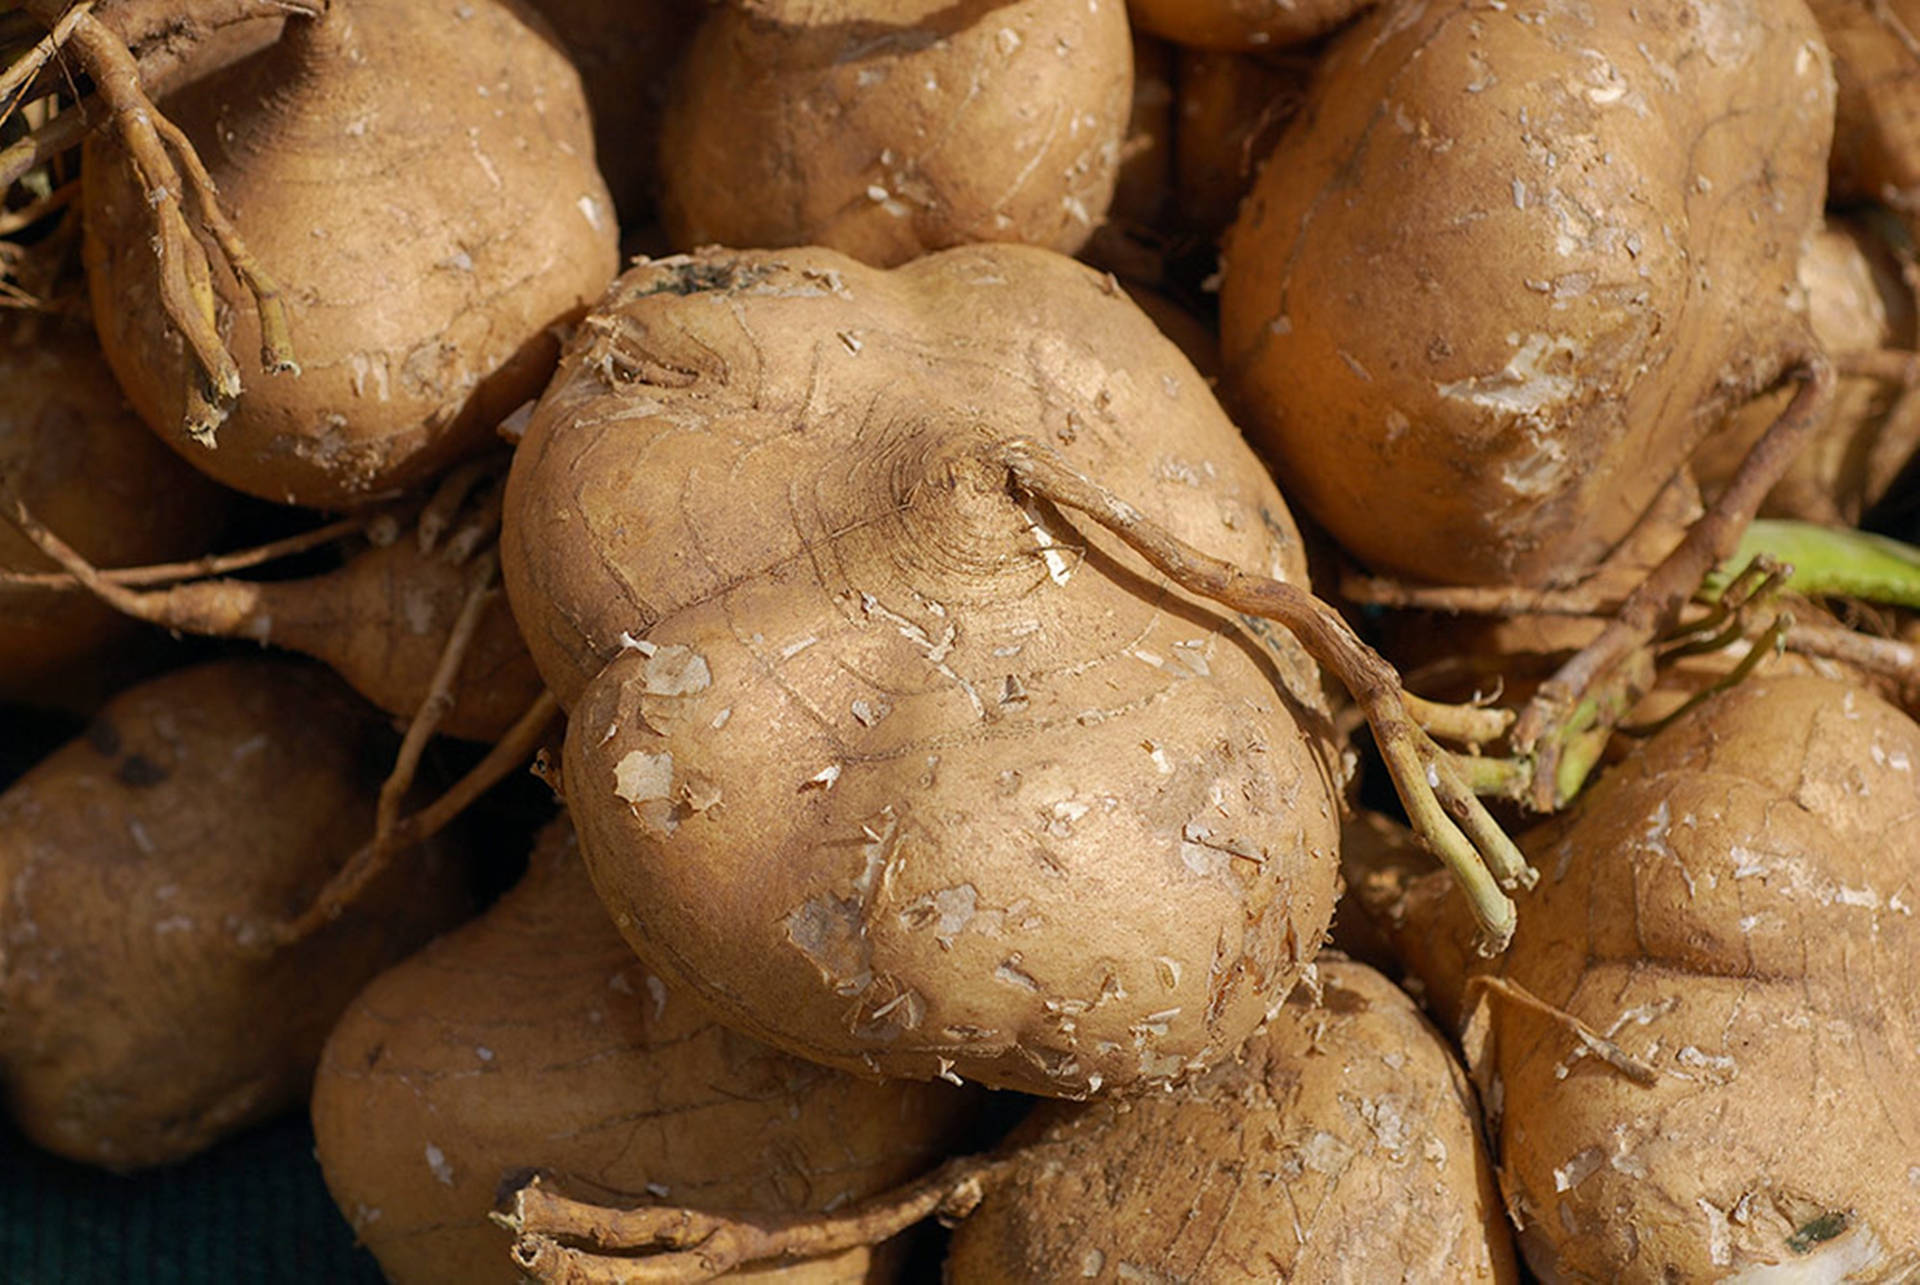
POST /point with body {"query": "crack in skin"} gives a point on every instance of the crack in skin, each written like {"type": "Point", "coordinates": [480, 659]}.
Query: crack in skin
{"type": "Point", "coordinates": [907, 579]}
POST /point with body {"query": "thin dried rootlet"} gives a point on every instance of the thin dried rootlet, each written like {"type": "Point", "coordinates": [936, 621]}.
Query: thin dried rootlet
{"type": "Point", "coordinates": [1512, 263]}
{"type": "Point", "coordinates": [531, 1041]}
{"type": "Point", "coordinates": [888, 128]}
{"type": "Point", "coordinates": [894, 766]}
{"type": "Point", "coordinates": [143, 869]}
{"type": "Point", "coordinates": [1694, 1056]}
{"type": "Point", "coordinates": [420, 177]}
{"type": "Point", "coordinates": [384, 620]}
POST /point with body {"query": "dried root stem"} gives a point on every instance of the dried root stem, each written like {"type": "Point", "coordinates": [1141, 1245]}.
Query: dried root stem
{"type": "Point", "coordinates": [172, 174]}
{"type": "Point", "coordinates": [481, 587]}
{"type": "Point", "coordinates": [513, 749]}
{"type": "Point", "coordinates": [1591, 1041]}
{"type": "Point", "coordinates": [683, 1245]}
{"type": "Point", "coordinates": [1593, 690]}
{"type": "Point", "coordinates": [1440, 804]}
{"type": "Point", "coordinates": [159, 573]}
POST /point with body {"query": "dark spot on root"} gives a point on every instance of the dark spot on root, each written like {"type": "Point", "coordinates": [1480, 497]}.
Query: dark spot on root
{"type": "Point", "coordinates": [374, 1054]}
{"type": "Point", "coordinates": [701, 277]}
{"type": "Point", "coordinates": [139, 771]}
{"type": "Point", "coordinates": [103, 736]}
{"type": "Point", "coordinates": [1823, 1228]}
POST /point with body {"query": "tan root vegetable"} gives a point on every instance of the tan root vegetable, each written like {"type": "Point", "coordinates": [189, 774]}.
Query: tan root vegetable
{"type": "Point", "coordinates": [886, 129]}
{"type": "Point", "coordinates": [532, 1041]}
{"type": "Point", "coordinates": [71, 449]}
{"type": "Point", "coordinates": [1858, 303]}
{"type": "Point", "coordinates": [383, 621]}
{"type": "Point", "coordinates": [142, 869]}
{"type": "Point", "coordinates": [1342, 1145]}
{"type": "Point", "coordinates": [1244, 26]}
{"type": "Point", "coordinates": [889, 739]}
{"type": "Point", "coordinates": [420, 177]}
{"type": "Point", "coordinates": [1510, 266]}
{"type": "Point", "coordinates": [626, 52]}
{"type": "Point", "coordinates": [1232, 109]}
{"type": "Point", "coordinates": [1876, 62]}
{"type": "Point", "coordinates": [1691, 1046]}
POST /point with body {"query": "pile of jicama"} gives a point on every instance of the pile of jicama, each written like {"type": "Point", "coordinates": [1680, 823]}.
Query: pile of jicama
{"type": "Point", "coordinates": [1199, 641]}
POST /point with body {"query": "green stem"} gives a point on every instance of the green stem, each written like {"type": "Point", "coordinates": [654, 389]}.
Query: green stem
{"type": "Point", "coordinates": [1830, 562]}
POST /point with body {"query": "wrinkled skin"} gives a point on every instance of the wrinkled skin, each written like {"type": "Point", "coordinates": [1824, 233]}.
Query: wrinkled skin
{"type": "Point", "coordinates": [891, 768]}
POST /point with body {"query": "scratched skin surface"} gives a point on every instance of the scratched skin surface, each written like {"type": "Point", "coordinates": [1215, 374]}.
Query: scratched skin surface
{"type": "Point", "coordinates": [896, 769]}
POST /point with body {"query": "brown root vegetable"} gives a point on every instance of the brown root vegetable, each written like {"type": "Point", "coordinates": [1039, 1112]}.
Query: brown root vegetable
{"type": "Point", "coordinates": [895, 768]}
{"type": "Point", "coordinates": [532, 1041]}
{"type": "Point", "coordinates": [886, 129]}
{"type": "Point", "coordinates": [1509, 267]}
{"type": "Point", "coordinates": [420, 177]}
{"type": "Point", "coordinates": [1858, 302]}
{"type": "Point", "coordinates": [1343, 1144]}
{"type": "Point", "coordinates": [1876, 129]}
{"type": "Point", "coordinates": [142, 868]}
{"type": "Point", "coordinates": [1241, 26]}
{"type": "Point", "coordinates": [70, 448]}
{"type": "Point", "coordinates": [626, 53]}
{"type": "Point", "coordinates": [1688, 1050]}
{"type": "Point", "coordinates": [1232, 109]}
{"type": "Point", "coordinates": [382, 621]}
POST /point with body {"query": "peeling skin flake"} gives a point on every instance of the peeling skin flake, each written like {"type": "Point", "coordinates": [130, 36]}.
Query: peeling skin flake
{"type": "Point", "coordinates": [640, 776]}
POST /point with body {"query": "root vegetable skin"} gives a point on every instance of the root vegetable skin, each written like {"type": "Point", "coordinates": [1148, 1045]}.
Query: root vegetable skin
{"type": "Point", "coordinates": [885, 130]}
{"type": "Point", "coordinates": [143, 866]}
{"type": "Point", "coordinates": [1509, 267]}
{"type": "Point", "coordinates": [1241, 26]}
{"type": "Point", "coordinates": [905, 774]}
{"type": "Point", "coordinates": [429, 234]}
{"type": "Point", "coordinates": [1876, 61]}
{"type": "Point", "coordinates": [532, 1041]}
{"type": "Point", "coordinates": [70, 448]}
{"type": "Point", "coordinates": [1730, 907]}
{"type": "Point", "coordinates": [1342, 1145]}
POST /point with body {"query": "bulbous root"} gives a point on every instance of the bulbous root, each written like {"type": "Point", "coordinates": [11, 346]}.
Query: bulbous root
{"type": "Point", "coordinates": [656, 1245]}
{"type": "Point", "coordinates": [170, 171]}
{"type": "Point", "coordinates": [1439, 799]}
{"type": "Point", "coordinates": [1595, 688]}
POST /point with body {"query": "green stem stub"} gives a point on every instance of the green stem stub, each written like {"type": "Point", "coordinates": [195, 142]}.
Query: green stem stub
{"type": "Point", "coordinates": [1834, 562]}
